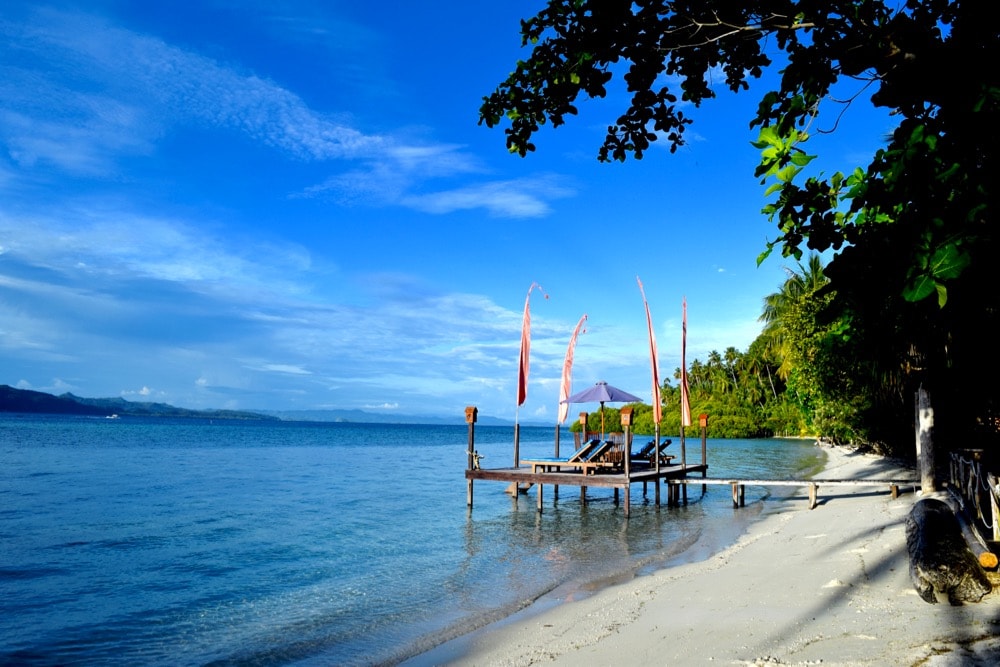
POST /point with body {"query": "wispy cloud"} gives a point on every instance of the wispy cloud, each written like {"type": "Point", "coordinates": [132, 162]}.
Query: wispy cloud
{"type": "Point", "coordinates": [146, 87]}
{"type": "Point", "coordinates": [521, 198]}
{"type": "Point", "coordinates": [161, 297]}
{"type": "Point", "coordinates": [83, 94]}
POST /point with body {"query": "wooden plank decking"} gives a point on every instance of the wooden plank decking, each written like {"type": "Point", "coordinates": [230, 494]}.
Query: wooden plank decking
{"type": "Point", "coordinates": [616, 479]}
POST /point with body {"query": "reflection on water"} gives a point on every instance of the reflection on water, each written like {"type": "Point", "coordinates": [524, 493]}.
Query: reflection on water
{"type": "Point", "coordinates": [178, 542]}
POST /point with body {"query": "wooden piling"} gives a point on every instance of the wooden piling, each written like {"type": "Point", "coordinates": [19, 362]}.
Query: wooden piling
{"type": "Point", "coordinates": [471, 412]}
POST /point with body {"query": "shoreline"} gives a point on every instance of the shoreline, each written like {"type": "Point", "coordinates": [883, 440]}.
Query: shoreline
{"type": "Point", "coordinates": [826, 586]}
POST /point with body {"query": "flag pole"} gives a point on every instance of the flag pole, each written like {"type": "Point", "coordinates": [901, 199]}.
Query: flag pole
{"type": "Point", "coordinates": [654, 365]}
{"type": "Point", "coordinates": [685, 392]}
{"type": "Point", "coordinates": [565, 386]}
{"type": "Point", "coordinates": [522, 370]}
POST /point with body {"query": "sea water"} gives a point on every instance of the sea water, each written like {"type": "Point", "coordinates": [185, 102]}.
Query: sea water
{"type": "Point", "coordinates": [193, 542]}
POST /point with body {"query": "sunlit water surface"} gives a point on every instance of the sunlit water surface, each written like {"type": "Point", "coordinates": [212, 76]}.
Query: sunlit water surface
{"type": "Point", "coordinates": [189, 542]}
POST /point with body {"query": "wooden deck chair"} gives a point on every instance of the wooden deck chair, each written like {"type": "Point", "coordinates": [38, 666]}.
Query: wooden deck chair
{"type": "Point", "coordinates": [546, 462]}
{"type": "Point", "coordinates": [605, 455]}
{"type": "Point", "coordinates": [665, 458]}
{"type": "Point", "coordinates": [645, 452]}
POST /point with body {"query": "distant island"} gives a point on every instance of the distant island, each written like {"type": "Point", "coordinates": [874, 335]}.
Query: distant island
{"type": "Point", "coordinates": [37, 402]}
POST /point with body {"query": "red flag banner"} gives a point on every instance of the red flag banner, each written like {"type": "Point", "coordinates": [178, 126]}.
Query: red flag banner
{"type": "Point", "coordinates": [522, 367]}
{"type": "Point", "coordinates": [567, 384]}
{"type": "Point", "coordinates": [685, 398]}
{"type": "Point", "coordinates": [657, 409]}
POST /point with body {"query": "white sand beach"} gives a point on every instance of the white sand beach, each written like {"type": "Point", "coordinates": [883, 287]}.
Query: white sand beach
{"type": "Point", "coordinates": [828, 586]}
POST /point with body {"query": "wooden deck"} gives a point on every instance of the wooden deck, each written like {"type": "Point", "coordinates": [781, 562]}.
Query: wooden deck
{"type": "Point", "coordinates": [621, 477]}
{"type": "Point", "coordinates": [522, 477]}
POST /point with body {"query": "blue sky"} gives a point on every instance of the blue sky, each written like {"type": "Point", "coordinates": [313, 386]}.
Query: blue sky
{"type": "Point", "coordinates": [258, 205]}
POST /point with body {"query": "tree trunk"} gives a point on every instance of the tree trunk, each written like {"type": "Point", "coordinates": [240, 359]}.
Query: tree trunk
{"type": "Point", "coordinates": [925, 441]}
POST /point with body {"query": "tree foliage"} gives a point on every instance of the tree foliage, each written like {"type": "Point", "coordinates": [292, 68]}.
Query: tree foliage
{"type": "Point", "coordinates": [912, 232]}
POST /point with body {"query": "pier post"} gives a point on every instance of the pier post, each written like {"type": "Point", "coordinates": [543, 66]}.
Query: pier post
{"type": "Point", "coordinates": [739, 495]}
{"type": "Point", "coordinates": [683, 449]}
{"type": "Point", "coordinates": [703, 423]}
{"type": "Point", "coordinates": [517, 445]}
{"type": "Point", "coordinates": [656, 463]}
{"type": "Point", "coordinates": [627, 417]}
{"type": "Point", "coordinates": [555, 488]}
{"type": "Point", "coordinates": [471, 413]}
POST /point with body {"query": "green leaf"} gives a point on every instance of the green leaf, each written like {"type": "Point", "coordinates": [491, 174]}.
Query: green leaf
{"type": "Point", "coordinates": [801, 159]}
{"type": "Point", "coordinates": [767, 253]}
{"type": "Point", "coordinates": [768, 136]}
{"type": "Point", "coordinates": [920, 289]}
{"type": "Point", "coordinates": [942, 293]}
{"type": "Point", "coordinates": [787, 174]}
{"type": "Point", "coordinates": [948, 262]}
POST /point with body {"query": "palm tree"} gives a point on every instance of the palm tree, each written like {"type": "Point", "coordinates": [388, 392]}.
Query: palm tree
{"type": "Point", "coordinates": [778, 307]}
{"type": "Point", "coordinates": [714, 371]}
{"type": "Point", "coordinates": [733, 359]}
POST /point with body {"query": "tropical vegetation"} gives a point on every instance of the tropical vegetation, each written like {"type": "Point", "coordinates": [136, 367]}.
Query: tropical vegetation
{"type": "Point", "coordinates": [911, 299]}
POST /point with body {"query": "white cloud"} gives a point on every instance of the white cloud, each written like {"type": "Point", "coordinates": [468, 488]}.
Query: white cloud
{"type": "Point", "coordinates": [381, 406]}
{"type": "Point", "coordinates": [148, 86]}
{"type": "Point", "coordinates": [288, 369]}
{"type": "Point", "coordinates": [521, 198]}
{"type": "Point", "coordinates": [51, 116]}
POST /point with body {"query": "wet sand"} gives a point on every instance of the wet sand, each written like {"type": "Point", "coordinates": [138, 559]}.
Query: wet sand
{"type": "Point", "coordinates": [828, 586]}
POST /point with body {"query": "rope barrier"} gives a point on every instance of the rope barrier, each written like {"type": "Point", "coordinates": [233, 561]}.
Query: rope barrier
{"type": "Point", "coordinates": [972, 483]}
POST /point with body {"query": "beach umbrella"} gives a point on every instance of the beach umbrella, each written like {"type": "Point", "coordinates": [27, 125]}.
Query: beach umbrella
{"type": "Point", "coordinates": [602, 393]}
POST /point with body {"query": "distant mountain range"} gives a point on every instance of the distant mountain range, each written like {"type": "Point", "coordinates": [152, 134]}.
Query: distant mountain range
{"type": "Point", "coordinates": [28, 401]}
{"type": "Point", "coordinates": [25, 400]}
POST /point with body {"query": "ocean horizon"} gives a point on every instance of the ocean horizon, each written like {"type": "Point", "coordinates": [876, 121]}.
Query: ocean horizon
{"type": "Point", "coordinates": [191, 542]}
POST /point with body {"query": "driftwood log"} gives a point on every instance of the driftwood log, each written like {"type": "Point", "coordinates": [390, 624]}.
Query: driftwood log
{"type": "Point", "coordinates": [987, 559]}
{"type": "Point", "coordinates": [940, 559]}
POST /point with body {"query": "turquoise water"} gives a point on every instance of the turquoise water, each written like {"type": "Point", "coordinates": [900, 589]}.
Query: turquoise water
{"type": "Point", "coordinates": [183, 542]}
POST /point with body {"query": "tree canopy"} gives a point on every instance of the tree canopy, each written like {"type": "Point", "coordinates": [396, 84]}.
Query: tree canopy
{"type": "Point", "coordinates": [911, 233]}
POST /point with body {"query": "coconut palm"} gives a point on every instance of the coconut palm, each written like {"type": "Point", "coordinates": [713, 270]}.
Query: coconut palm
{"type": "Point", "coordinates": [778, 307]}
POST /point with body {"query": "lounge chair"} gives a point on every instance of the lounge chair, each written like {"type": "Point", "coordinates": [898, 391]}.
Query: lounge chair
{"type": "Point", "coordinates": [644, 454]}
{"type": "Point", "coordinates": [607, 454]}
{"type": "Point", "coordinates": [589, 462]}
{"type": "Point", "coordinates": [556, 461]}
{"type": "Point", "coordinates": [665, 458]}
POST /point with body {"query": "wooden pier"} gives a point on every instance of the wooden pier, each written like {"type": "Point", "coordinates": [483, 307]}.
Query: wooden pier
{"type": "Point", "coordinates": [619, 477]}
{"type": "Point", "coordinates": [522, 478]}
